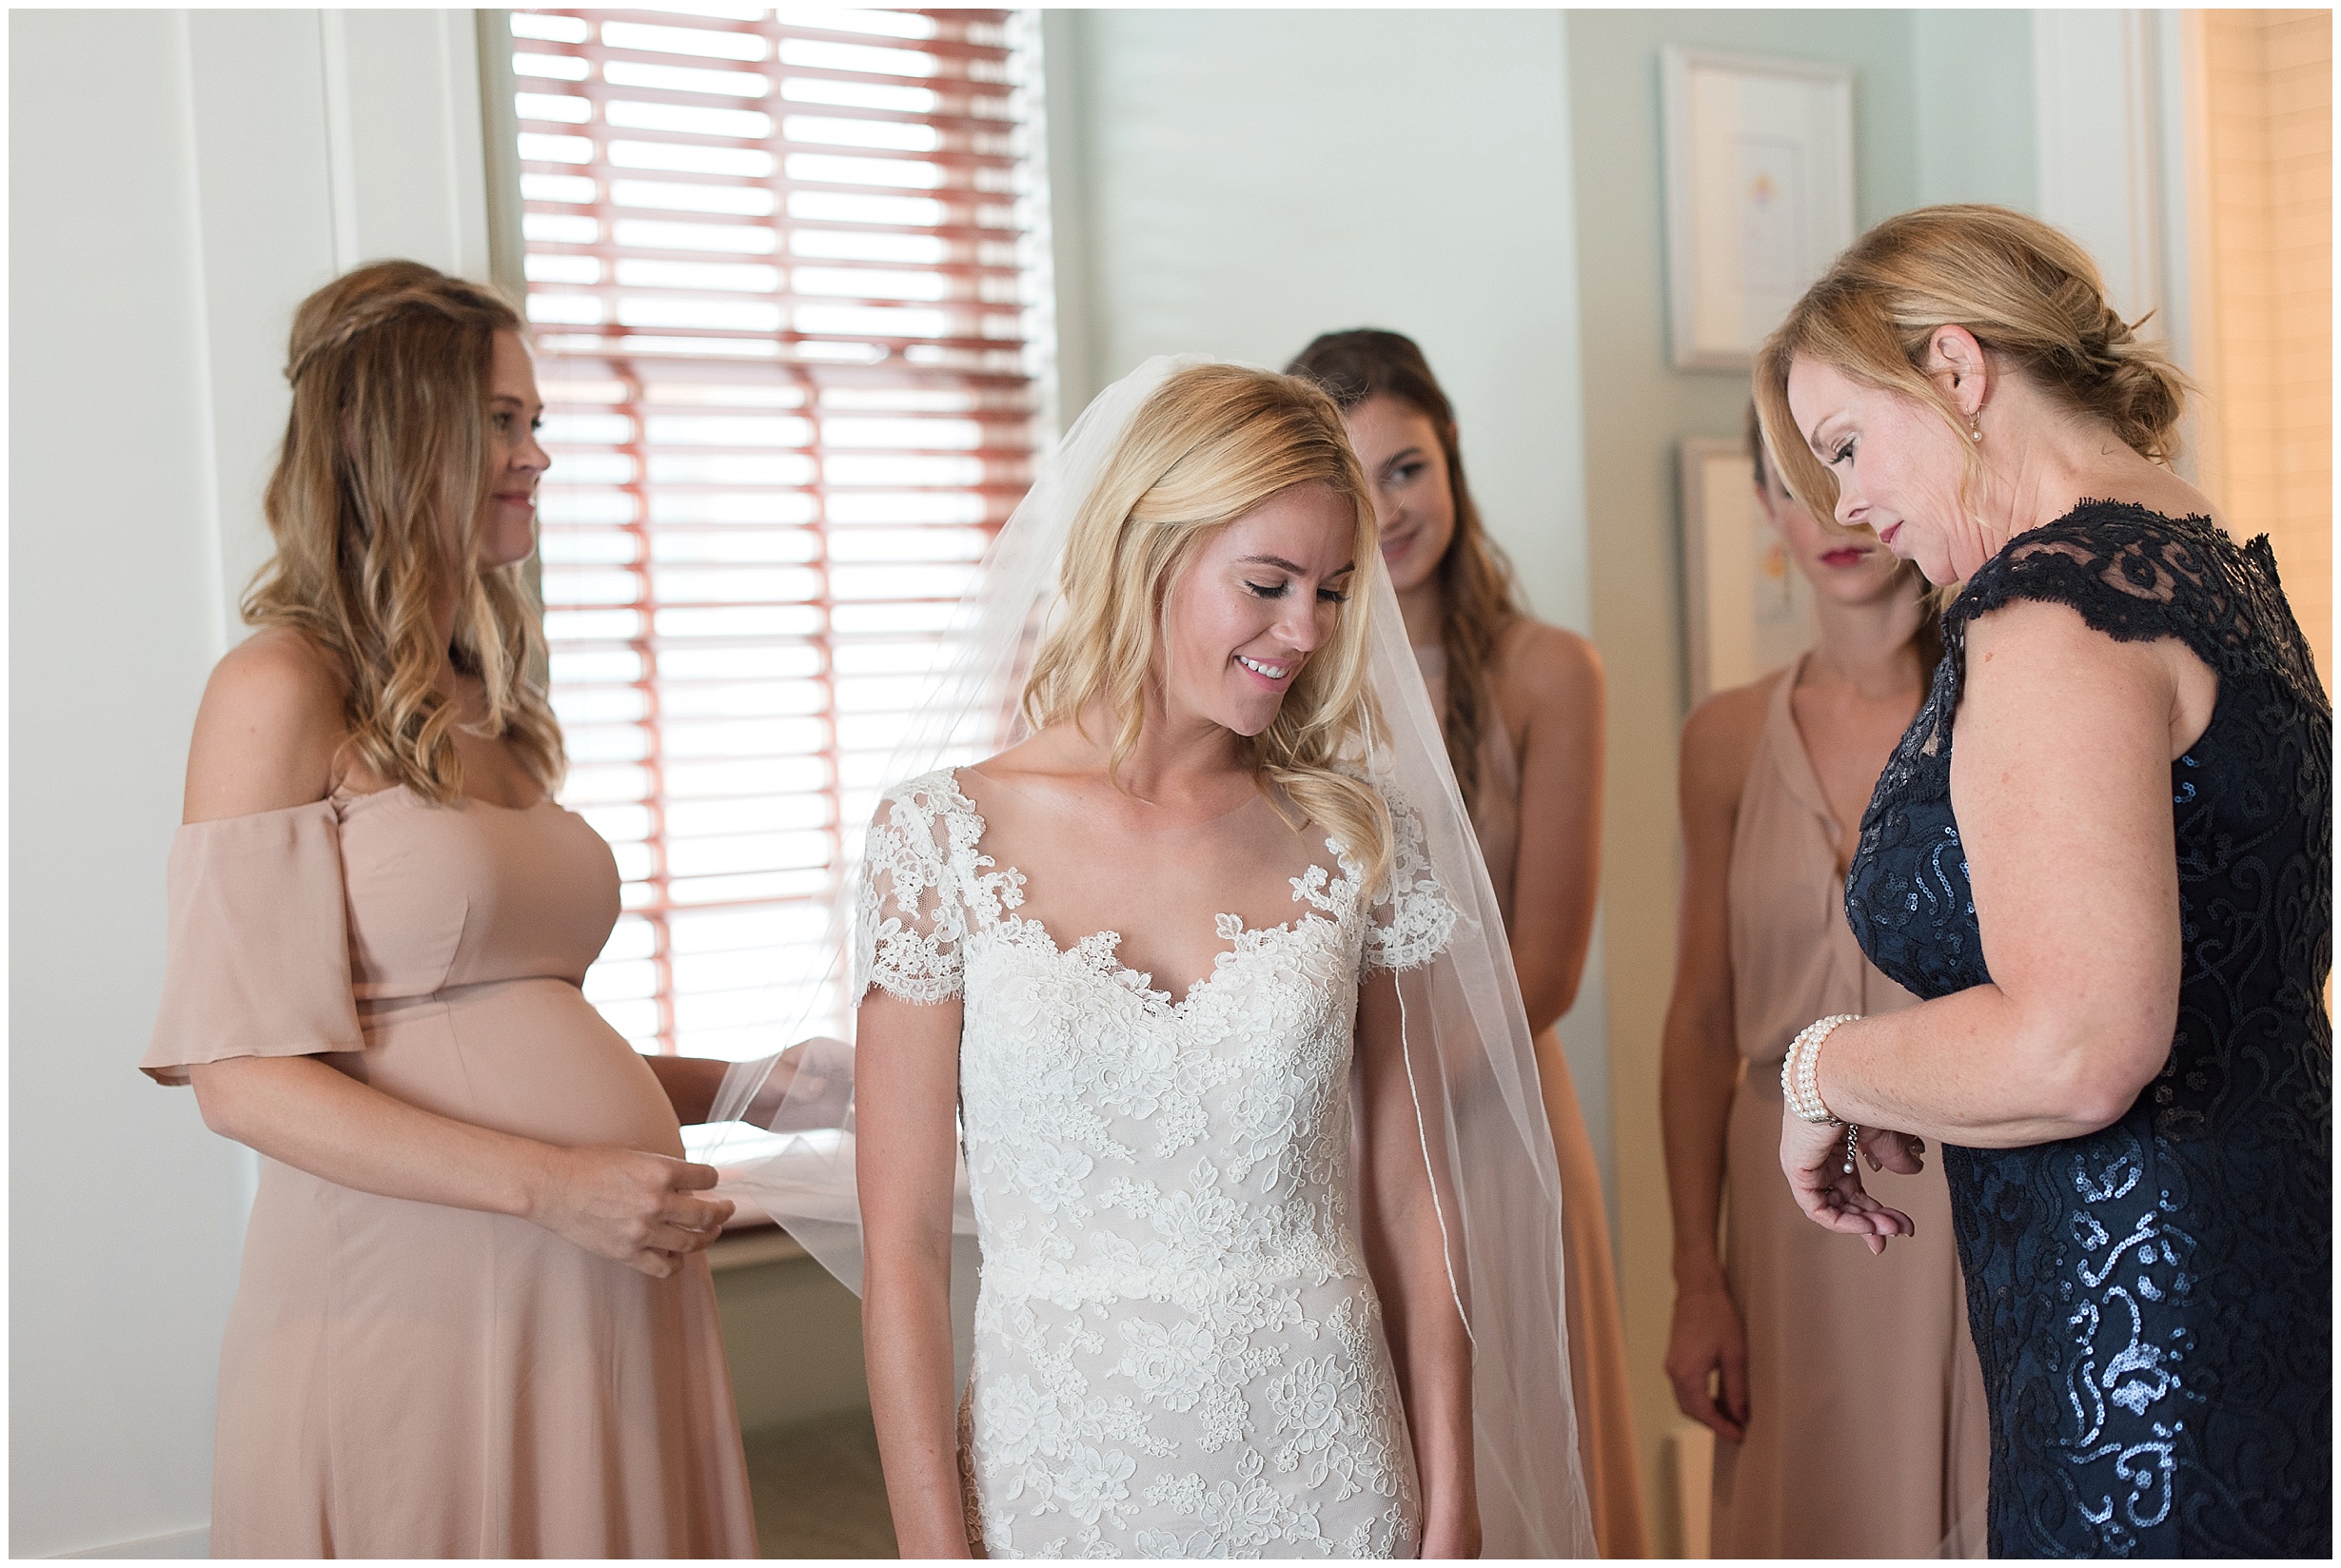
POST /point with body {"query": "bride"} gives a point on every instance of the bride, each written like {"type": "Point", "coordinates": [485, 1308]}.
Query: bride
{"type": "Point", "coordinates": [1267, 1210]}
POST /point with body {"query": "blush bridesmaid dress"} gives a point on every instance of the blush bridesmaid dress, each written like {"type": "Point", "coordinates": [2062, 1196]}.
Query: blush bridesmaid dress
{"type": "Point", "coordinates": [1866, 1434]}
{"type": "Point", "coordinates": [1597, 1329]}
{"type": "Point", "coordinates": [403, 1378]}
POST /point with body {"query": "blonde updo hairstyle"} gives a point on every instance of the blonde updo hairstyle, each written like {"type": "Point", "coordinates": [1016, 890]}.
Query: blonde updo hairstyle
{"type": "Point", "coordinates": [2030, 295]}
{"type": "Point", "coordinates": [1210, 444]}
{"type": "Point", "coordinates": [375, 507]}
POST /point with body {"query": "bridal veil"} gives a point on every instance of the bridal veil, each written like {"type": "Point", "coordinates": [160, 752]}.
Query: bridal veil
{"type": "Point", "coordinates": [1469, 1061]}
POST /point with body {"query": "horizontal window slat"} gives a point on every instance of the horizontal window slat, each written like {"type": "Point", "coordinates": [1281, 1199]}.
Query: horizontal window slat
{"type": "Point", "coordinates": [780, 274]}
{"type": "Point", "coordinates": [596, 93]}
{"type": "Point", "coordinates": [603, 133]}
{"type": "Point", "coordinates": [792, 223]}
{"type": "Point", "coordinates": [605, 54]}
{"type": "Point", "coordinates": [608, 252]}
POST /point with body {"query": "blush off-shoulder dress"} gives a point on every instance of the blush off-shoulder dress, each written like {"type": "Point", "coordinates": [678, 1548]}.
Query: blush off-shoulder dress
{"type": "Point", "coordinates": [403, 1378]}
{"type": "Point", "coordinates": [1179, 1352]}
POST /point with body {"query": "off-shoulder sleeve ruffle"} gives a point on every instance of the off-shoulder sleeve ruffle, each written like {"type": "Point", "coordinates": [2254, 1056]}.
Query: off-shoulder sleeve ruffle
{"type": "Point", "coordinates": [910, 926]}
{"type": "Point", "coordinates": [1415, 919]}
{"type": "Point", "coordinates": [258, 958]}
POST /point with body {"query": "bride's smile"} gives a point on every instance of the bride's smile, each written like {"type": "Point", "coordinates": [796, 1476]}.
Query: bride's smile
{"type": "Point", "coordinates": [1261, 596]}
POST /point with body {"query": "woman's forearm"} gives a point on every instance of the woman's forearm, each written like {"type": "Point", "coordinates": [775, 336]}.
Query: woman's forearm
{"type": "Point", "coordinates": [629, 1206]}
{"type": "Point", "coordinates": [906, 1341]}
{"type": "Point", "coordinates": [1432, 1357]}
{"type": "Point", "coordinates": [1699, 1073]}
{"type": "Point", "coordinates": [303, 1112]}
{"type": "Point", "coordinates": [905, 1150]}
{"type": "Point", "coordinates": [1978, 1069]}
{"type": "Point", "coordinates": [1405, 1242]}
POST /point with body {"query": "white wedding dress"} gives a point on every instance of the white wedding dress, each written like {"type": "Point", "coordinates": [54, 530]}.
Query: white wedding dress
{"type": "Point", "coordinates": [1178, 1351]}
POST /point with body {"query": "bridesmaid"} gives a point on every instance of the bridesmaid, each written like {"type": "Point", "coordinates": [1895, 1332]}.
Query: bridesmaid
{"type": "Point", "coordinates": [474, 1320]}
{"type": "Point", "coordinates": [1850, 1411]}
{"type": "Point", "coordinates": [1521, 703]}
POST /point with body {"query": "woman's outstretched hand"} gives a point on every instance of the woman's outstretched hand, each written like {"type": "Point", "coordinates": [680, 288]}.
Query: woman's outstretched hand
{"type": "Point", "coordinates": [633, 1208]}
{"type": "Point", "coordinates": [1812, 1157]}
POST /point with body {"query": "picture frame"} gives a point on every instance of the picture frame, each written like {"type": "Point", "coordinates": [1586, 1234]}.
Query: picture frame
{"type": "Point", "coordinates": [1746, 608]}
{"type": "Point", "coordinates": [1760, 194]}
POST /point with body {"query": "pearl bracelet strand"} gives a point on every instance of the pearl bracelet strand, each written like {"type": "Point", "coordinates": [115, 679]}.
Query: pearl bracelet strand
{"type": "Point", "coordinates": [1801, 1068]}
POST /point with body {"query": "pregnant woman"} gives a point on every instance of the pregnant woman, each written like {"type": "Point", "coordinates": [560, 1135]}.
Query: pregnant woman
{"type": "Point", "coordinates": [473, 1319]}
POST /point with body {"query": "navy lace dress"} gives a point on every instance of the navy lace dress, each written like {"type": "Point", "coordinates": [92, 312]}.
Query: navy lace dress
{"type": "Point", "coordinates": [2152, 1302]}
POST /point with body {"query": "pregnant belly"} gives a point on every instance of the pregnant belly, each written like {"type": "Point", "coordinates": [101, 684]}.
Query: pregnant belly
{"type": "Point", "coordinates": [530, 1057]}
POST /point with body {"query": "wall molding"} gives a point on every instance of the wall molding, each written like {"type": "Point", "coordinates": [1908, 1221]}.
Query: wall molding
{"type": "Point", "coordinates": [179, 1543]}
{"type": "Point", "coordinates": [2099, 126]}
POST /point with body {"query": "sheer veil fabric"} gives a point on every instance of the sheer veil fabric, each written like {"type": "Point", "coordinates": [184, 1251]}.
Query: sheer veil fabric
{"type": "Point", "coordinates": [1469, 1060]}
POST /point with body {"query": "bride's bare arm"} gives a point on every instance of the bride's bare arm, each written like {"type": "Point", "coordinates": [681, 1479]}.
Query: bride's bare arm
{"type": "Point", "coordinates": [906, 1071]}
{"type": "Point", "coordinates": [1405, 1251]}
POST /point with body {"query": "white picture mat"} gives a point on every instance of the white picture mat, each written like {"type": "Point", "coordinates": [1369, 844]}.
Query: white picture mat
{"type": "Point", "coordinates": [1746, 608]}
{"type": "Point", "coordinates": [1760, 194]}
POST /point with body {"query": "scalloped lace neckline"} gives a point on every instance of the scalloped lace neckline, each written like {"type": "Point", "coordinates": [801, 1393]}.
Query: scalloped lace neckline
{"type": "Point", "coordinates": [1100, 950]}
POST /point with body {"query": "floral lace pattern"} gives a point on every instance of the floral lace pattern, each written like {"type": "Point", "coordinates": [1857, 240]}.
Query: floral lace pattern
{"type": "Point", "coordinates": [2152, 1303]}
{"type": "Point", "coordinates": [1178, 1351]}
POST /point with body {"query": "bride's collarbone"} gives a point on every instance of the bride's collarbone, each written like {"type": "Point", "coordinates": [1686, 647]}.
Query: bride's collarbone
{"type": "Point", "coordinates": [1092, 803]}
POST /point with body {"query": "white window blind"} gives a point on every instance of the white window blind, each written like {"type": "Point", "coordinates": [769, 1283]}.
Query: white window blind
{"type": "Point", "coordinates": [782, 277]}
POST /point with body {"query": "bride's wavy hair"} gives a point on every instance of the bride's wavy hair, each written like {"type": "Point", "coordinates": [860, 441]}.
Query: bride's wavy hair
{"type": "Point", "coordinates": [1210, 444]}
{"type": "Point", "coordinates": [375, 507]}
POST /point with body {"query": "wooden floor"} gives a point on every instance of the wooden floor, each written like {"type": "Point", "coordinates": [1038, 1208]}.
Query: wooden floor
{"type": "Point", "coordinates": [819, 1490]}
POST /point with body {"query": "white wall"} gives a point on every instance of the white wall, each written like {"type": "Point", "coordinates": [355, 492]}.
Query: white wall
{"type": "Point", "coordinates": [2096, 86]}
{"type": "Point", "coordinates": [1238, 182]}
{"type": "Point", "coordinates": [178, 182]}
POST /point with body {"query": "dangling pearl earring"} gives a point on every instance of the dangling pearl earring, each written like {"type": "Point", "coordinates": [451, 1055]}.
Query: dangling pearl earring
{"type": "Point", "coordinates": [1974, 428]}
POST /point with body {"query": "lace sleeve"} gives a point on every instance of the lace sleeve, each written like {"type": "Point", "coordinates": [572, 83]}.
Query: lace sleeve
{"type": "Point", "coordinates": [2135, 574]}
{"type": "Point", "coordinates": [1411, 924]}
{"type": "Point", "coordinates": [909, 923]}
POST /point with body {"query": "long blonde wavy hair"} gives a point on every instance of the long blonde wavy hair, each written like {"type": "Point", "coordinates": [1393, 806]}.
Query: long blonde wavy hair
{"type": "Point", "coordinates": [375, 507]}
{"type": "Point", "coordinates": [2026, 291]}
{"type": "Point", "coordinates": [1210, 444]}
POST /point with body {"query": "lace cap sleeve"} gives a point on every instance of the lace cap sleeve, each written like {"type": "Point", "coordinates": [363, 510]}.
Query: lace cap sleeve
{"type": "Point", "coordinates": [2135, 574]}
{"type": "Point", "coordinates": [909, 921]}
{"type": "Point", "coordinates": [1414, 919]}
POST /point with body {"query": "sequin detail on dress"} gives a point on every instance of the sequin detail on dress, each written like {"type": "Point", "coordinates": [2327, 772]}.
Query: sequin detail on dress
{"type": "Point", "coordinates": [2152, 1303]}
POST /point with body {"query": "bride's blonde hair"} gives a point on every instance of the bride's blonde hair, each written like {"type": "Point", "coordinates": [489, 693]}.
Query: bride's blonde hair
{"type": "Point", "coordinates": [375, 507]}
{"type": "Point", "coordinates": [1210, 443]}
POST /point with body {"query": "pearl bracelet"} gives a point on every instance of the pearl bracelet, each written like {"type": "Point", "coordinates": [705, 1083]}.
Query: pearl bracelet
{"type": "Point", "coordinates": [1801, 1068]}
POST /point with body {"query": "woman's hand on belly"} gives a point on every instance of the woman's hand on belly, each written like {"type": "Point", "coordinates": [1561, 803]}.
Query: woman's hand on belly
{"type": "Point", "coordinates": [623, 1204]}
{"type": "Point", "coordinates": [626, 1205]}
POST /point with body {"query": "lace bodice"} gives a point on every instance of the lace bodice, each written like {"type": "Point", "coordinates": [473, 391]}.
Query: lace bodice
{"type": "Point", "coordinates": [1178, 1350]}
{"type": "Point", "coordinates": [2152, 1303]}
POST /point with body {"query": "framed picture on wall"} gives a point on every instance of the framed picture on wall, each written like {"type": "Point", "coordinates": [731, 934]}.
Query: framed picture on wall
{"type": "Point", "coordinates": [1760, 194]}
{"type": "Point", "coordinates": [1746, 607]}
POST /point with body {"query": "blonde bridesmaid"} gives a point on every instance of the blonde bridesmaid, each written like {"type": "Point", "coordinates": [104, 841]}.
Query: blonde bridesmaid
{"type": "Point", "coordinates": [474, 1317]}
{"type": "Point", "coordinates": [1843, 1389]}
{"type": "Point", "coordinates": [1521, 703]}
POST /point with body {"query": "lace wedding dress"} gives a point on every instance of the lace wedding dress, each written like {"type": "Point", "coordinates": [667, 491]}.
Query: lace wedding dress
{"type": "Point", "coordinates": [1178, 1350]}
